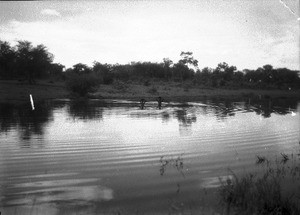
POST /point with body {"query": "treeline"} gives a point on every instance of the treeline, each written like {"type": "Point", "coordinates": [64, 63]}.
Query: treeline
{"type": "Point", "coordinates": [25, 61]}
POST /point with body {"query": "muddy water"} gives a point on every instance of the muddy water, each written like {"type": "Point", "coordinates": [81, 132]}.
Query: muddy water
{"type": "Point", "coordinates": [94, 157]}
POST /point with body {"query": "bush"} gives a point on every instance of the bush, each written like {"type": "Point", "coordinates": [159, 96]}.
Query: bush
{"type": "Point", "coordinates": [82, 84]}
{"type": "Point", "coordinates": [152, 90]}
{"type": "Point", "coordinates": [120, 86]}
{"type": "Point", "coordinates": [186, 87]}
{"type": "Point", "coordinates": [254, 194]}
{"type": "Point", "coordinates": [147, 83]}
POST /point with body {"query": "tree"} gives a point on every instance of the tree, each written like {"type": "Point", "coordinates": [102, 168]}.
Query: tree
{"type": "Point", "coordinates": [81, 84]}
{"type": "Point", "coordinates": [7, 60]}
{"type": "Point", "coordinates": [81, 69]}
{"type": "Point", "coordinates": [204, 76]}
{"type": "Point", "coordinates": [33, 62]}
{"type": "Point", "coordinates": [167, 68]}
{"type": "Point", "coordinates": [56, 70]}
{"type": "Point", "coordinates": [24, 59]}
{"type": "Point", "coordinates": [123, 72]}
{"type": "Point", "coordinates": [188, 60]}
{"type": "Point", "coordinates": [81, 80]}
{"type": "Point", "coordinates": [223, 74]}
{"type": "Point", "coordinates": [287, 79]}
{"type": "Point", "coordinates": [42, 61]}
{"type": "Point", "coordinates": [267, 71]}
{"type": "Point", "coordinates": [226, 71]}
{"type": "Point", "coordinates": [104, 72]}
{"type": "Point", "coordinates": [238, 78]}
{"type": "Point", "coordinates": [182, 70]}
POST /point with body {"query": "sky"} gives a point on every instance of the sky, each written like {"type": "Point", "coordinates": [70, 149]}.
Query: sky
{"type": "Point", "coordinates": [244, 33]}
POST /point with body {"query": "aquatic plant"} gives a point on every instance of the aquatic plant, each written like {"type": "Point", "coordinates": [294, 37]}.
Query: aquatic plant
{"type": "Point", "coordinates": [163, 164]}
{"type": "Point", "coordinates": [285, 157]}
{"type": "Point", "coordinates": [176, 163]}
{"type": "Point", "coordinates": [260, 159]}
{"type": "Point", "coordinates": [256, 195]}
{"type": "Point", "coordinates": [265, 193]}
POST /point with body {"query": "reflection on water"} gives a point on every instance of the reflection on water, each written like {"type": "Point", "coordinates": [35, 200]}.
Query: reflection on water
{"type": "Point", "coordinates": [97, 156]}
{"type": "Point", "coordinates": [31, 123]}
{"type": "Point", "coordinates": [28, 123]}
{"type": "Point", "coordinates": [61, 190]}
{"type": "Point", "coordinates": [86, 110]}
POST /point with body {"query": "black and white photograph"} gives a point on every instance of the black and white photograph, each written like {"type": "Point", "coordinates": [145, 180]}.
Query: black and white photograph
{"type": "Point", "coordinates": [141, 107]}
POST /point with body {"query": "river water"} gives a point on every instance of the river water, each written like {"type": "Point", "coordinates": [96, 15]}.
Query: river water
{"type": "Point", "coordinates": [111, 157]}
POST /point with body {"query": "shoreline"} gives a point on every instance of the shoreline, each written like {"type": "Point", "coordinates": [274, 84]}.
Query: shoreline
{"type": "Point", "coordinates": [18, 92]}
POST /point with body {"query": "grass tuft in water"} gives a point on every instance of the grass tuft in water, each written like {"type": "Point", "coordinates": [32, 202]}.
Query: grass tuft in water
{"type": "Point", "coordinates": [265, 193]}
{"type": "Point", "coordinates": [260, 159]}
{"type": "Point", "coordinates": [285, 158]}
{"type": "Point", "coordinates": [256, 195]}
{"type": "Point", "coordinates": [175, 162]}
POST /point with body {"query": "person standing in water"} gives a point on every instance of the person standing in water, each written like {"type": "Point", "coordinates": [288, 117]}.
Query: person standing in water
{"type": "Point", "coordinates": [142, 101]}
{"type": "Point", "coordinates": [159, 101]}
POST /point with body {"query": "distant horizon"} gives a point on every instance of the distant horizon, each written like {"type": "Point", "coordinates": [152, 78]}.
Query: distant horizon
{"type": "Point", "coordinates": [243, 34]}
{"type": "Point", "coordinates": [156, 62]}
{"type": "Point", "coordinates": [200, 68]}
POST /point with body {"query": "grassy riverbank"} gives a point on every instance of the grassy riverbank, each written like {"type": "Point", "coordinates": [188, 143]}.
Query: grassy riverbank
{"type": "Point", "coordinates": [180, 91]}
{"type": "Point", "coordinates": [15, 91]}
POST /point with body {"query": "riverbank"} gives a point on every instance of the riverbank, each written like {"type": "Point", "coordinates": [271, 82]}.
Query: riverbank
{"type": "Point", "coordinates": [18, 92]}
{"type": "Point", "coordinates": [173, 91]}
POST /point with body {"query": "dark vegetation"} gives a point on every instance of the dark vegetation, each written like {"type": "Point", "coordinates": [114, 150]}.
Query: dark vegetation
{"type": "Point", "coordinates": [81, 80]}
{"type": "Point", "coordinates": [274, 191]}
{"type": "Point", "coordinates": [176, 163]}
{"type": "Point", "coordinates": [27, 62]}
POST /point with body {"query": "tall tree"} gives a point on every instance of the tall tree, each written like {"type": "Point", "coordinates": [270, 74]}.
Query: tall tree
{"type": "Point", "coordinates": [42, 61]}
{"type": "Point", "coordinates": [188, 60]}
{"type": "Point", "coordinates": [81, 69]}
{"type": "Point", "coordinates": [104, 72]}
{"type": "Point", "coordinates": [182, 70]}
{"type": "Point", "coordinates": [33, 62]}
{"type": "Point", "coordinates": [167, 67]}
{"type": "Point", "coordinates": [7, 60]}
{"type": "Point", "coordinates": [24, 59]}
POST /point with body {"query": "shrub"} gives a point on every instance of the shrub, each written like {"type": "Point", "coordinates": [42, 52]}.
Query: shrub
{"type": "Point", "coordinates": [186, 87]}
{"type": "Point", "coordinates": [82, 84]}
{"type": "Point", "coordinates": [147, 83]}
{"type": "Point", "coordinates": [152, 90]}
{"type": "Point", "coordinates": [120, 86]}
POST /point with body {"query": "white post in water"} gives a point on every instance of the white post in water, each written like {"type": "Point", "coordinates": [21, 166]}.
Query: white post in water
{"type": "Point", "coordinates": [31, 101]}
